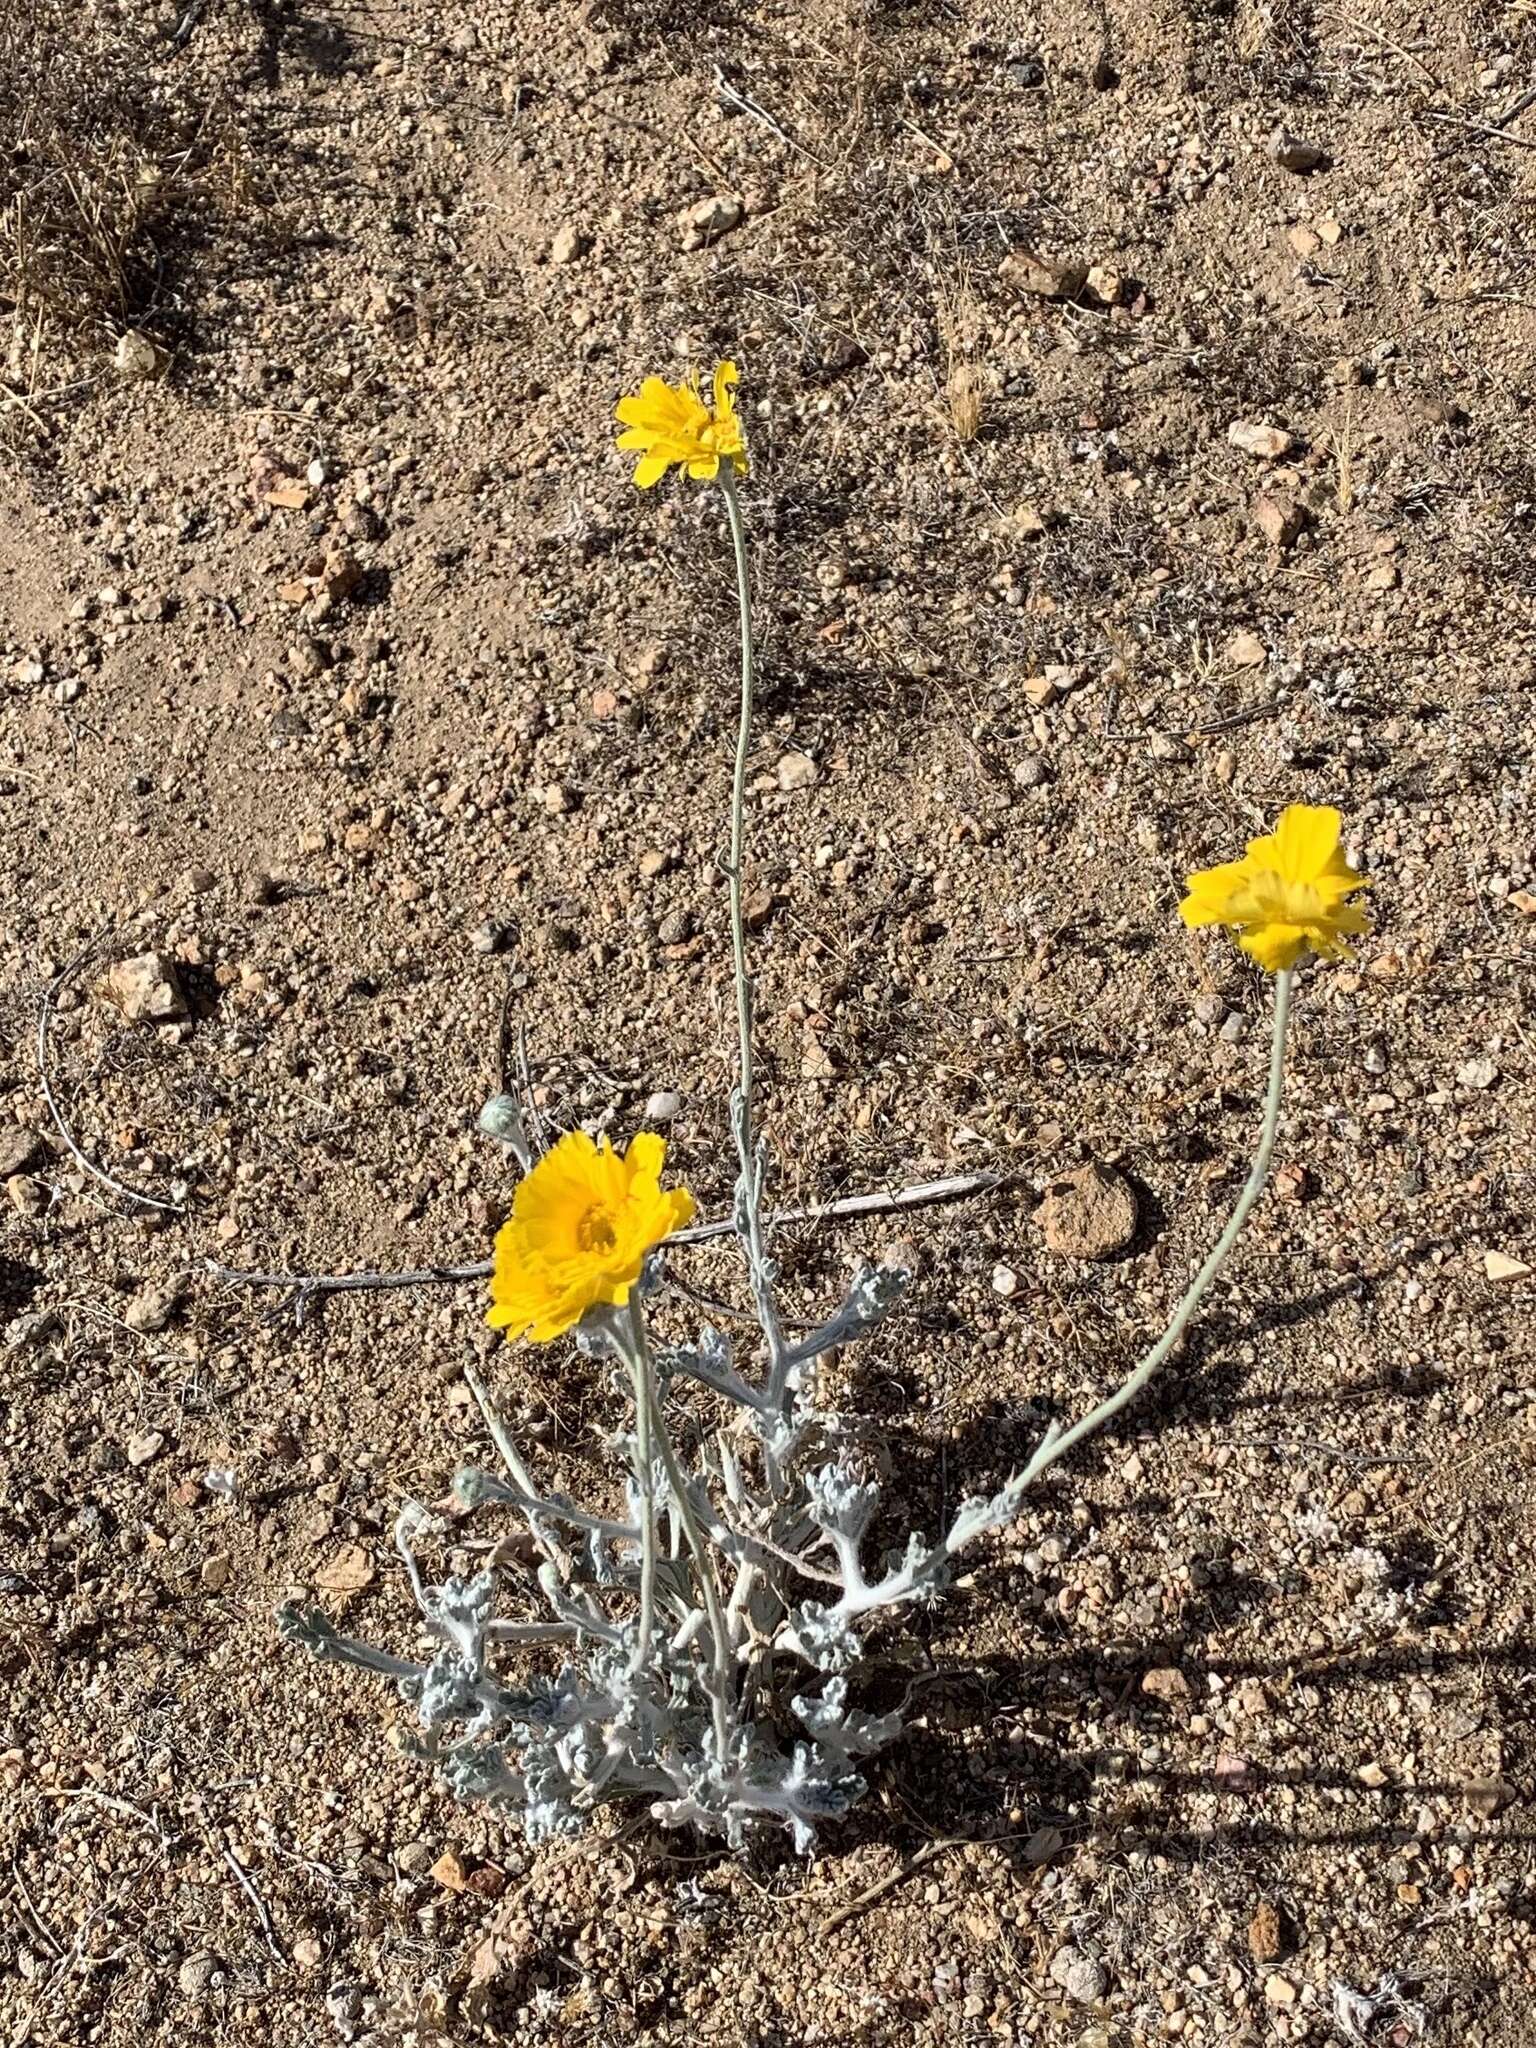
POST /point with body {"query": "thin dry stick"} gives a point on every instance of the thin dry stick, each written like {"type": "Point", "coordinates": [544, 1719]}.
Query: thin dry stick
{"type": "Point", "coordinates": [112, 1804]}
{"type": "Point", "coordinates": [1478, 128]}
{"type": "Point", "coordinates": [925, 1195]}
{"type": "Point", "coordinates": [242, 1877]}
{"type": "Point", "coordinates": [42, 1933]}
{"type": "Point", "coordinates": [732, 96]}
{"type": "Point", "coordinates": [714, 1307]}
{"type": "Point", "coordinates": [915, 1862]}
{"type": "Point", "coordinates": [889, 1882]}
{"type": "Point", "coordinates": [1495, 127]}
{"type": "Point", "coordinates": [1366, 28]}
{"type": "Point", "coordinates": [1210, 727]}
{"type": "Point", "coordinates": [44, 1015]}
{"type": "Point", "coordinates": [13, 400]}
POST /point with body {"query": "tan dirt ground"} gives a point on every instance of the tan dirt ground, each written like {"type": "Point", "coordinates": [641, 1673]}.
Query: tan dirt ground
{"type": "Point", "coordinates": [1243, 1706]}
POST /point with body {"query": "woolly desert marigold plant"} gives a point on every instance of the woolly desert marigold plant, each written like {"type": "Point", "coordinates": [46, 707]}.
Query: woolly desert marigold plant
{"type": "Point", "coordinates": [1288, 895]}
{"type": "Point", "coordinates": [670, 423]}
{"type": "Point", "coordinates": [717, 1626]}
{"type": "Point", "coordinates": [582, 1222]}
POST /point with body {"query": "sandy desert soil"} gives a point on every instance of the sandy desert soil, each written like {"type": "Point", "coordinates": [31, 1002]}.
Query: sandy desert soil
{"type": "Point", "coordinates": [342, 666]}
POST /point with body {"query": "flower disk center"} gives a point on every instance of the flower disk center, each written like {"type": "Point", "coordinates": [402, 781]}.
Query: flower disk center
{"type": "Point", "coordinates": [595, 1231]}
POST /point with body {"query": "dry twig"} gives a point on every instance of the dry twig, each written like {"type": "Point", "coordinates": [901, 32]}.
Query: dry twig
{"type": "Point", "coordinates": [258, 1903]}
{"type": "Point", "coordinates": [873, 1892]}
{"type": "Point", "coordinates": [310, 1287]}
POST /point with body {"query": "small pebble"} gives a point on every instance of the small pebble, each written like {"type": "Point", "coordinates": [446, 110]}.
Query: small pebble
{"type": "Point", "coordinates": [135, 356]}
{"type": "Point", "coordinates": [21, 1150]}
{"type": "Point", "coordinates": [1292, 153]}
{"type": "Point", "coordinates": [1166, 1682]}
{"type": "Point", "coordinates": [1164, 747]}
{"type": "Point", "coordinates": [146, 989]}
{"type": "Point", "coordinates": [663, 1107]}
{"type": "Point", "coordinates": [152, 1308]}
{"type": "Point", "coordinates": [27, 1197]}
{"type": "Point", "coordinates": [196, 1976]}
{"type": "Point", "coordinates": [1266, 443]}
{"type": "Point", "coordinates": [708, 218]}
{"type": "Point", "coordinates": [1089, 1214]}
{"type": "Point", "coordinates": [1082, 1977]}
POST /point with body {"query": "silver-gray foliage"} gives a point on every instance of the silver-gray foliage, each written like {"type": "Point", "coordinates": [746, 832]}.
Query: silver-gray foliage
{"type": "Point", "coordinates": [737, 1711]}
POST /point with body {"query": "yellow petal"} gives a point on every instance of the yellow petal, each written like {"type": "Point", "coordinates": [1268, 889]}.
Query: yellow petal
{"type": "Point", "coordinates": [643, 414]}
{"type": "Point", "coordinates": [1305, 840]}
{"type": "Point", "coordinates": [1211, 893]}
{"type": "Point", "coordinates": [1274, 946]}
{"type": "Point", "coordinates": [656, 399]}
{"type": "Point", "coordinates": [1197, 911]}
{"type": "Point", "coordinates": [610, 1182]}
{"type": "Point", "coordinates": [645, 1156]}
{"type": "Point", "coordinates": [650, 469]}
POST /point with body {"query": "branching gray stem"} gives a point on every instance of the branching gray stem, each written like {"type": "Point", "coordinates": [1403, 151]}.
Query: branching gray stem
{"type": "Point", "coordinates": [723, 1689]}
{"type": "Point", "coordinates": [645, 1474]}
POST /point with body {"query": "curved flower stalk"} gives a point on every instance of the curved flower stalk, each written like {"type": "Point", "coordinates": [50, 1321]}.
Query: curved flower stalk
{"type": "Point", "coordinates": [670, 1637]}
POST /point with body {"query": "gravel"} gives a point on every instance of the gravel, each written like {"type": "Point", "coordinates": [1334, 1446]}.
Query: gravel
{"type": "Point", "coordinates": [348, 679]}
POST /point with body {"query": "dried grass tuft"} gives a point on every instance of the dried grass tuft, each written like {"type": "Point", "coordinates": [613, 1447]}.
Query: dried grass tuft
{"type": "Point", "coordinates": [112, 162]}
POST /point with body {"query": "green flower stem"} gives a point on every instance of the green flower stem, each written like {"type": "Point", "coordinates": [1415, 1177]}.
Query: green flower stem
{"type": "Point", "coordinates": [1253, 1187]}
{"type": "Point", "coordinates": [743, 1119]}
{"type": "Point", "coordinates": [644, 1473]}
{"type": "Point", "coordinates": [648, 1404]}
{"type": "Point", "coordinates": [739, 795]}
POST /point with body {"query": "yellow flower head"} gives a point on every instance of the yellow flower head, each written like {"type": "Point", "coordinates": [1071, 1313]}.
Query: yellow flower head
{"type": "Point", "coordinates": [1287, 895]}
{"type": "Point", "coordinates": [582, 1222]}
{"type": "Point", "coordinates": [669, 423]}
